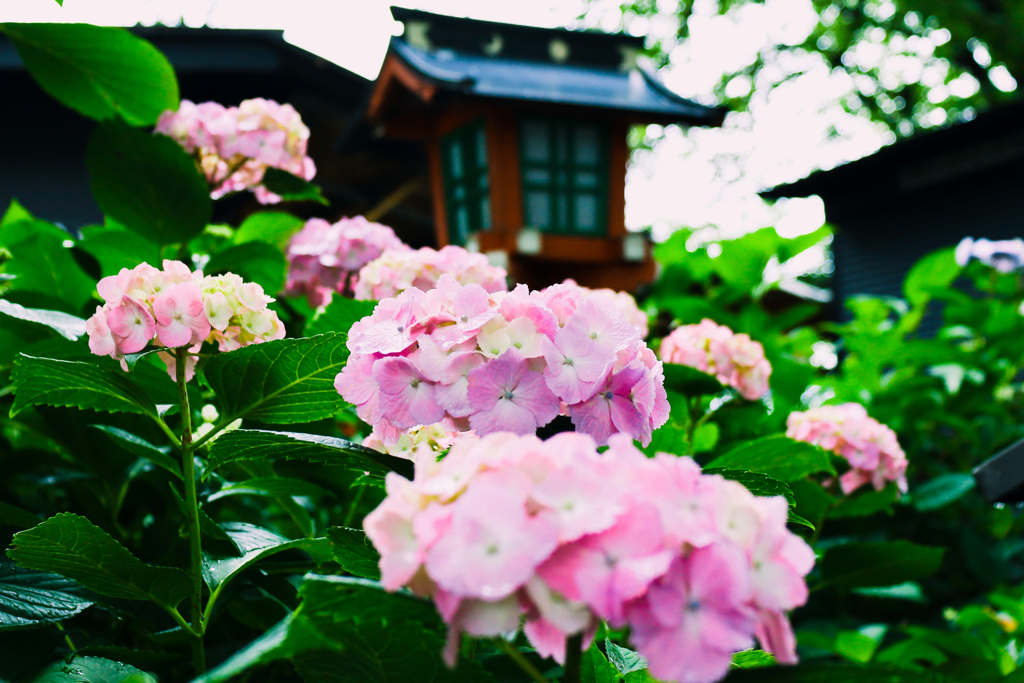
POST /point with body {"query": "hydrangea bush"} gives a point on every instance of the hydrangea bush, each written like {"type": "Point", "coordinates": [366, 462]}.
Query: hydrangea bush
{"type": "Point", "coordinates": [530, 495]}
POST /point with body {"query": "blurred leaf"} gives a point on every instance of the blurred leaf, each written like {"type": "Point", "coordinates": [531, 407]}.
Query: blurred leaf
{"type": "Point", "coordinates": [147, 183]}
{"type": "Point", "coordinates": [75, 548]}
{"type": "Point", "coordinates": [339, 315]}
{"type": "Point", "coordinates": [935, 271]}
{"type": "Point", "coordinates": [272, 487]}
{"type": "Point", "coordinates": [280, 382]}
{"type": "Point", "coordinates": [100, 72]}
{"type": "Point", "coordinates": [160, 455]}
{"type": "Point", "coordinates": [705, 438]}
{"type": "Point", "coordinates": [908, 590]}
{"type": "Point", "coordinates": [29, 597]}
{"type": "Point", "coordinates": [757, 483]}
{"type": "Point", "coordinates": [255, 261]}
{"type": "Point", "coordinates": [45, 381]}
{"type": "Point", "coordinates": [257, 444]}
{"type": "Point", "coordinates": [942, 491]}
{"type": "Point", "coordinates": [690, 381]}
{"type": "Point", "coordinates": [92, 670]}
{"type": "Point", "coordinates": [292, 188]}
{"type": "Point", "coordinates": [778, 456]}
{"type": "Point", "coordinates": [272, 227]}
{"type": "Point", "coordinates": [812, 500]}
{"type": "Point", "coordinates": [865, 502]}
{"type": "Point", "coordinates": [354, 552]}
{"type": "Point", "coordinates": [16, 517]}
{"type": "Point", "coordinates": [68, 326]}
{"type": "Point", "coordinates": [834, 673]}
{"type": "Point", "coordinates": [856, 565]}
{"type": "Point", "coordinates": [116, 247]}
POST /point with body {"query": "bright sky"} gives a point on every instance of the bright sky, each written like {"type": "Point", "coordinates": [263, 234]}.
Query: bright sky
{"type": "Point", "coordinates": [708, 178]}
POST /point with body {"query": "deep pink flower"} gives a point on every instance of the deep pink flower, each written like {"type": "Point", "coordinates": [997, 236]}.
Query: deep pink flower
{"type": "Point", "coordinates": [574, 365]}
{"type": "Point", "coordinates": [508, 396]}
{"type": "Point", "coordinates": [611, 408]}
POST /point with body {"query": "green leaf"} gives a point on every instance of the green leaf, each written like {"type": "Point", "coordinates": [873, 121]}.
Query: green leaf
{"type": "Point", "coordinates": [116, 247]}
{"type": "Point", "coordinates": [292, 188]}
{"type": "Point", "coordinates": [207, 527]}
{"type": "Point", "coordinates": [29, 597]}
{"type": "Point", "coordinates": [757, 483]}
{"type": "Point", "coordinates": [147, 183]}
{"type": "Point", "coordinates": [942, 491]}
{"type": "Point", "coordinates": [72, 546]}
{"type": "Point", "coordinates": [258, 444]}
{"type": "Point", "coordinates": [98, 71]}
{"type": "Point", "coordinates": [935, 271]}
{"type": "Point", "coordinates": [255, 544]}
{"type": "Point", "coordinates": [255, 262]}
{"type": "Point", "coordinates": [705, 438]}
{"type": "Point", "coordinates": [15, 213]}
{"type": "Point", "coordinates": [594, 667]}
{"type": "Point", "coordinates": [855, 565]}
{"type": "Point", "coordinates": [834, 673]}
{"type": "Point", "coordinates": [691, 381]}
{"type": "Point", "coordinates": [159, 455]}
{"type": "Point", "coordinates": [624, 659]}
{"type": "Point", "coordinates": [281, 382]}
{"type": "Point", "coordinates": [752, 659]}
{"type": "Point", "coordinates": [280, 641]}
{"type": "Point", "coordinates": [49, 382]}
{"type": "Point", "coordinates": [339, 315]}
{"type": "Point", "coordinates": [812, 500]}
{"type": "Point", "coordinates": [272, 487]}
{"type": "Point", "coordinates": [92, 670]}
{"type": "Point", "coordinates": [68, 326]}
{"type": "Point", "coordinates": [41, 263]}
{"type": "Point", "coordinates": [778, 456]}
{"type": "Point", "coordinates": [272, 227]}
{"type": "Point", "coordinates": [16, 517]}
{"type": "Point", "coordinates": [354, 552]}
{"type": "Point", "coordinates": [865, 502]}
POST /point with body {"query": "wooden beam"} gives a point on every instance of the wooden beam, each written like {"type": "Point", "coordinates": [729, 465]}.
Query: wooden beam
{"type": "Point", "coordinates": [618, 158]}
{"type": "Point", "coordinates": [393, 199]}
{"type": "Point", "coordinates": [437, 193]}
{"type": "Point", "coordinates": [395, 72]}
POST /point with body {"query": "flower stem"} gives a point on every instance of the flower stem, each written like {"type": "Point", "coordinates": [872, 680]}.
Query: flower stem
{"type": "Point", "coordinates": [573, 655]}
{"type": "Point", "coordinates": [517, 657]}
{"type": "Point", "coordinates": [188, 470]}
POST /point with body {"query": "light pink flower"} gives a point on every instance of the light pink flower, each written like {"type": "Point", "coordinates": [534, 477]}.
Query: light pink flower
{"type": "Point", "coordinates": [612, 409]}
{"type": "Point", "coordinates": [101, 341]}
{"type": "Point", "coordinates": [734, 359]}
{"type": "Point", "coordinates": [132, 325]}
{"type": "Point", "coordinates": [406, 396]}
{"type": "Point", "coordinates": [180, 316]}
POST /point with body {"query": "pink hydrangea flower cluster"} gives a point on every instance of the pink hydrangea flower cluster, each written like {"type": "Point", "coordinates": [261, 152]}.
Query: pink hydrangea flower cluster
{"type": "Point", "coordinates": [502, 362]}
{"type": "Point", "coordinates": [324, 258]}
{"type": "Point", "coordinates": [400, 269]}
{"type": "Point", "coordinates": [510, 527]}
{"type": "Point", "coordinates": [234, 146]}
{"type": "Point", "coordinates": [176, 307]}
{"type": "Point", "coordinates": [735, 359]}
{"type": "Point", "coordinates": [623, 301]}
{"type": "Point", "coordinates": [870, 447]}
{"type": "Point", "coordinates": [418, 442]}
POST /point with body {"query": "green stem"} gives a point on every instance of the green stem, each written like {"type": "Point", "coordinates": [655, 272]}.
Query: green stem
{"type": "Point", "coordinates": [180, 620]}
{"type": "Point", "coordinates": [517, 657]}
{"type": "Point", "coordinates": [354, 506]}
{"type": "Point", "coordinates": [188, 470]}
{"type": "Point", "coordinates": [167, 430]}
{"type": "Point", "coordinates": [67, 636]}
{"type": "Point", "coordinates": [217, 429]}
{"type": "Point", "coordinates": [573, 656]}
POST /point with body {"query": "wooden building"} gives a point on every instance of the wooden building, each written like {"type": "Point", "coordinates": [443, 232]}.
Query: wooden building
{"type": "Point", "coordinates": [506, 139]}
{"type": "Point", "coordinates": [918, 195]}
{"type": "Point", "coordinates": [526, 135]}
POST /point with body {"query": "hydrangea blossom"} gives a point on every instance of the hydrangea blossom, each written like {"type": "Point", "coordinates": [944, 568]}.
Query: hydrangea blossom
{"type": "Point", "coordinates": [735, 359]}
{"type": "Point", "coordinates": [1005, 256]}
{"type": "Point", "coordinates": [418, 442]}
{"type": "Point", "coordinates": [502, 362]}
{"type": "Point", "coordinates": [324, 258]}
{"type": "Point", "coordinates": [870, 447]}
{"type": "Point", "coordinates": [176, 307]}
{"type": "Point", "coordinates": [400, 269]}
{"type": "Point", "coordinates": [234, 146]}
{"type": "Point", "coordinates": [623, 301]}
{"type": "Point", "coordinates": [507, 528]}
